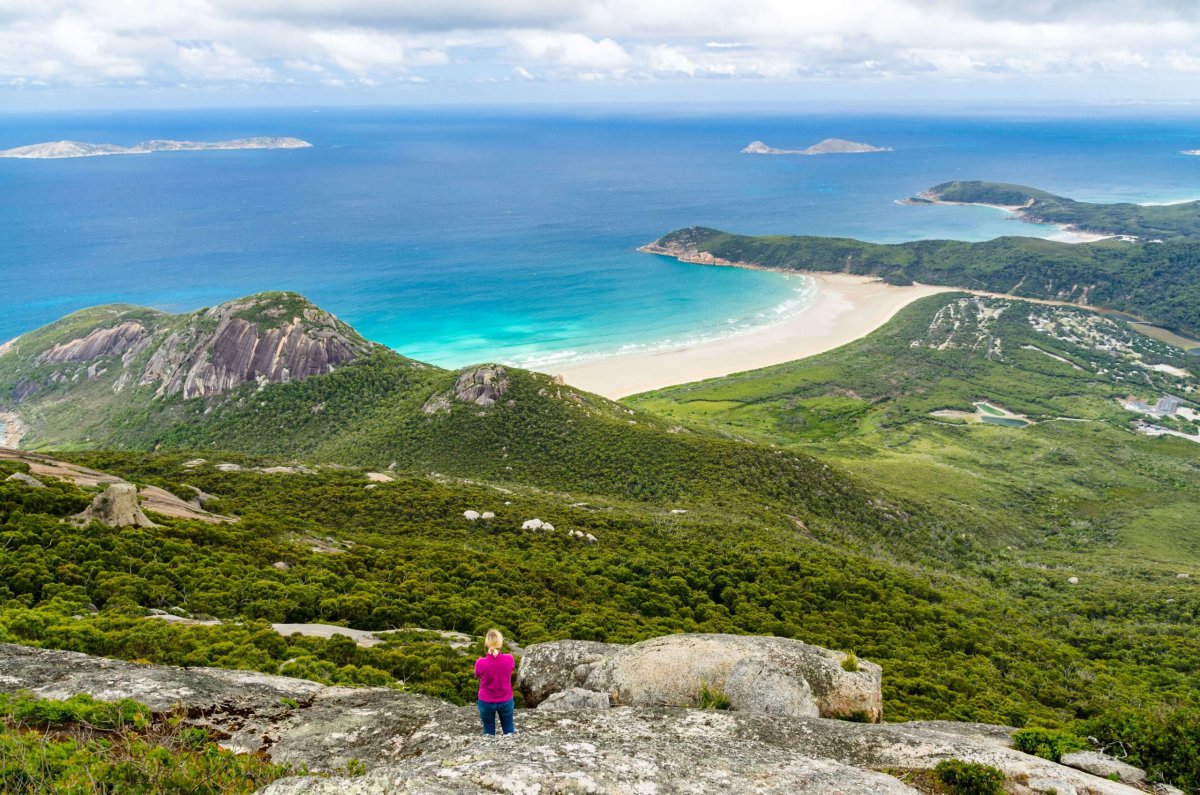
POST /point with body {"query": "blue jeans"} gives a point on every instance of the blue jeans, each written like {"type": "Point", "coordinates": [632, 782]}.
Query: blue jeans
{"type": "Point", "coordinates": [489, 710]}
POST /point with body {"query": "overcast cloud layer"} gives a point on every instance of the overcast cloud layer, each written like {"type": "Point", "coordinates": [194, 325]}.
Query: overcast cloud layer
{"type": "Point", "coordinates": [327, 45]}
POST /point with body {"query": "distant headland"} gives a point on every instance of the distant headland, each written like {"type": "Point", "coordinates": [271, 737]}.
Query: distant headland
{"type": "Point", "coordinates": [830, 146]}
{"type": "Point", "coordinates": [60, 149]}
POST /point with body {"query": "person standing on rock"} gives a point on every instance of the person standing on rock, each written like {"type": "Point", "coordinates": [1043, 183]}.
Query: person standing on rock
{"type": "Point", "coordinates": [494, 672]}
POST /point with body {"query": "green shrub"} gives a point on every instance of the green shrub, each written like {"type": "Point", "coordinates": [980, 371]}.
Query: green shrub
{"type": "Point", "coordinates": [1048, 743]}
{"type": "Point", "coordinates": [850, 663]}
{"type": "Point", "coordinates": [969, 778]}
{"type": "Point", "coordinates": [713, 698]}
{"type": "Point", "coordinates": [1163, 742]}
{"type": "Point", "coordinates": [81, 745]}
{"type": "Point", "coordinates": [26, 709]}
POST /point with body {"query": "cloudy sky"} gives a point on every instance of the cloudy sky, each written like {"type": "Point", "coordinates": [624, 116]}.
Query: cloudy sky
{"type": "Point", "coordinates": [65, 53]}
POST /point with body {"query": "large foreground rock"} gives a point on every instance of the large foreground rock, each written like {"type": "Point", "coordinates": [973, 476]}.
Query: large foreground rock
{"type": "Point", "coordinates": [416, 744]}
{"type": "Point", "coordinates": [773, 676]}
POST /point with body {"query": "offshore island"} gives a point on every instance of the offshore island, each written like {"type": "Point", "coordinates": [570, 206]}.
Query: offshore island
{"type": "Point", "coordinates": [830, 146]}
{"type": "Point", "coordinates": [53, 150]}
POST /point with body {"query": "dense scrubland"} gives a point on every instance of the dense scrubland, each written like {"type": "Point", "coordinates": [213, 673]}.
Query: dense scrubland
{"type": "Point", "coordinates": [833, 500]}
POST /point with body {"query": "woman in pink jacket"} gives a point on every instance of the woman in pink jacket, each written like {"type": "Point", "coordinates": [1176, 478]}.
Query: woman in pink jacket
{"type": "Point", "coordinates": [494, 672]}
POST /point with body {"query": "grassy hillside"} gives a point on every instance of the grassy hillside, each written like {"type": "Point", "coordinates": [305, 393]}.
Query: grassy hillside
{"type": "Point", "coordinates": [1079, 476]}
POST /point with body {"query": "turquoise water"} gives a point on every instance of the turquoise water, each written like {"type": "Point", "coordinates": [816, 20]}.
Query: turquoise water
{"type": "Point", "coordinates": [471, 236]}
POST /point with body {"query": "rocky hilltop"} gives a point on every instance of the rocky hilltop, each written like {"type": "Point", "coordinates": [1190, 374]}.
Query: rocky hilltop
{"type": "Point", "coordinates": [258, 338]}
{"type": "Point", "coordinates": [116, 354]}
{"type": "Point", "coordinates": [413, 743]}
{"type": "Point", "coordinates": [53, 150]}
{"type": "Point", "coordinates": [830, 146]}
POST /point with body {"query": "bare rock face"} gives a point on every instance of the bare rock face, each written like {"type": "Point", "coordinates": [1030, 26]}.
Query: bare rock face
{"type": "Point", "coordinates": [1105, 766]}
{"type": "Point", "coordinates": [773, 676]}
{"type": "Point", "coordinates": [101, 342]}
{"type": "Point", "coordinates": [221, 348]}
{"type": "Point", "coordinates": [411, 743]}
{"type": "Point", "coordinates": [576, 698]}
{"type": "Point", "coordinates": [328, 727]}
{"type": "Point", "coordinates": [482, 386]}
{"type": "Point", "coordinates": [117, 506]}
{"type": "Point", "coordinates": [25, 389]}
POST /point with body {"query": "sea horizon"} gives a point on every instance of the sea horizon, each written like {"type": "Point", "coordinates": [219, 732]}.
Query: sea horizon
{"type": "Point", "coordinates": [456, 239]}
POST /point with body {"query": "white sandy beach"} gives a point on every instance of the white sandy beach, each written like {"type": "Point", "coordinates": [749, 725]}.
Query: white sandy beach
{"type": "Point", "coordinates": [846, 308]}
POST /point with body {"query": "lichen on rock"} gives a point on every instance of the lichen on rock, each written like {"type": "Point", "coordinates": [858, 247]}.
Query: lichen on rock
{"type": "Point", "coordinates": [774, 676]}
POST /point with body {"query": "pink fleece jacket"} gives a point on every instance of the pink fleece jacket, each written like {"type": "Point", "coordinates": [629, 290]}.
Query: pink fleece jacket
{"type": "Point", "coordinates": [495, 677]}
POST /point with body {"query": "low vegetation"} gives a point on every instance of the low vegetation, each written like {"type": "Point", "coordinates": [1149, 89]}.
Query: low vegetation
{"type": "Point", "coordinates": [85, 746]}
{"type": "Point", "coordinates": [969, 778]}
{"type": "Point", "coordinates": [1048, 743]}
{"type": "Point", "coordinates": [1022, 576]}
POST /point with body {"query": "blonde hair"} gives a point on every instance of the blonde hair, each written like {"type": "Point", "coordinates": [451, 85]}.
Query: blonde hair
{"type": "Point", "coordinates": [493, 641]}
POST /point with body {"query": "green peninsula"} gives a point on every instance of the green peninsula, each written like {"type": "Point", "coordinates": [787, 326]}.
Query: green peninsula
{"type": "Point", "coordinates": [1152, 270]}
{"type": "Point", "coordinates": [1152, 221]}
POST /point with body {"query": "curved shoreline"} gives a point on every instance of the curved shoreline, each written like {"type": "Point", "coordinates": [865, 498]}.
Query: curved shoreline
{"type": "Point", "coordinates": [1067, 233]}
{"type": "Point", "coordinates": [846, 308]}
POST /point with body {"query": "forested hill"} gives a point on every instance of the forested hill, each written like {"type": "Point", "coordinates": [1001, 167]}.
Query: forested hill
{"type": "Point", "coordinates": [1157, 281]}
{"type": "Point", "coordinates": [96, 380]}
{"type": "Point", "coordinates": [1147, 222]}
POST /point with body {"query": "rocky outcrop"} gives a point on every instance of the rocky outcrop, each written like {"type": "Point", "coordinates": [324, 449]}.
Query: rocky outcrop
{"type": "Point", "coordinates": [412, 743]}
{"type": "Point", "coordinates": [772, 676]}
{"type": "Point", "coordinates": [28, 480]}
{"type": "Point", "coordinates": [482, 386]}
{"type": "Point", "coordinates": [1105, 766]}
{"type": "Point", "coordinates": [220, 348]}
{"type": "Point", "coordinates": [327, 727]}
{"type": "Point", "coordinates": [116, 506]}
{"type": "Point", "coordinates": [575, 698]}
{"type": "Point", "coordinates": [24, 389]}
{"type": "Point", "coordinates": [479, 386]}
{"type": "Point", "coordinates": [112, 341]}
{"type": "Point", "coordinates": [265, 338]}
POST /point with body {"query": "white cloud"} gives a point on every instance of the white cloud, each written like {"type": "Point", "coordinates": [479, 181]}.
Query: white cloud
{"type": "Point", "coordinates": [217, 61]}
{"type": "Point", "coordinates": [329, 42]}
{"type": "Point", "coordinates": [572, 49]}
{"type": "Point", "coordinates": [361, 52]}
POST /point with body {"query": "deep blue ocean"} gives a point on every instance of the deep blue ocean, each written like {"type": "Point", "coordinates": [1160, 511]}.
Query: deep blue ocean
{"type": "Point", "coordinates": [465, 236]}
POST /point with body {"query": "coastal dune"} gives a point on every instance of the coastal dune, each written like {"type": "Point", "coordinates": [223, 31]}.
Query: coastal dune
{"type": "Point", "coordinates": [846, 308]}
